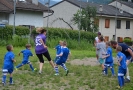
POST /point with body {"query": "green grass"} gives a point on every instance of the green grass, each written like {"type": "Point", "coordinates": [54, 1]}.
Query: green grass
{"type": "Point", "coordinates": [80, 77]}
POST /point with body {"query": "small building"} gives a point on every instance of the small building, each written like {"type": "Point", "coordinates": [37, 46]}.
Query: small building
{"type": "Point", "coordinates": [28, 12]}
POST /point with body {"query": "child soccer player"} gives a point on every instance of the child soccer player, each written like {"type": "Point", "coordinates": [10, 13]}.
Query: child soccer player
{"type": "Point", "coordinates": [101, 47]}
{"type": "Point", "coordinates": [8, 64]}
{"type": "Point", "coordinates": [122, 66]}
{"type": "Point", "coordinates": [58, 50]}
{"type": "Point", "coordinates": [63, 58]}
{"type": "Point", "coordinates": [109, 60]}
{"type": "Point", "coordinates": [26, 54]}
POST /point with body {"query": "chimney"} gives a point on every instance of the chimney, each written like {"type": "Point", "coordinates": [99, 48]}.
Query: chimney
{"type": "Point", "coordinates": [35, 2]}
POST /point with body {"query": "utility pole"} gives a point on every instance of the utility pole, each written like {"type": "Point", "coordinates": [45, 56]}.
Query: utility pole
{"type": "Point", "coordinates": [79, 23]}
{"type": "Point", "coordinates": [48, 17]}
{"type": "Point", "coordinates": [14, 17]}
{"type": "Point", "coordinates": [115, 21]}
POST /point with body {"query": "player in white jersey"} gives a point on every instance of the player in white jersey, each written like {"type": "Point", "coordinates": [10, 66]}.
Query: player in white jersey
{"type": "Point", "coordinates": [96, 41]}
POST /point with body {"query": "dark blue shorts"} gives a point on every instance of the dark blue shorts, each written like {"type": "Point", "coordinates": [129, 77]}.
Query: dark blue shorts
{"type": "Point", "coordinates": [59, 62]}
{"type": "Point", "coordinates": [8, 70]}
{"type": "Point", "coordinates": [122, 72]}
{"type": "Point", "coordinates": [128, 58]}
{"type": "Point", "coordinates": [109, 64]}
{"type": "Point", "coordinates": [56, 59]}
{"type": "Point", "coordinates": [25, 62]}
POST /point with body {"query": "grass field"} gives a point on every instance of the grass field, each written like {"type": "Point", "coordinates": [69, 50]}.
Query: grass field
{"type": "Point", "coordinates": [80, 77]}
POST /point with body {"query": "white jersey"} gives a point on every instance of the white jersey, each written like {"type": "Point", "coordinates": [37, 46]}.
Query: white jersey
{"type": "Point", "coordinates": [96, 39]}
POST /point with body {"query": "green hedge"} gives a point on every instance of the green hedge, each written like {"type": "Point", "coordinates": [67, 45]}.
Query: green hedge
{"type": "Point", "coordinates": [68, 34]}
{"type": "Point", "coordinates": [7, 32]}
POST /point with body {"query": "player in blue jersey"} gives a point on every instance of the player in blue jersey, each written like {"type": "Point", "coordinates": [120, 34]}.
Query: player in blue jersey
{"type": "Point", "coordinates": [128, 52]}
{"type": "Point", "coordinates": [63, 58]}
{"type": "Point", "coordinates": [58, 50]}
{"type": "Point", "coordinates": [26, 54]}
{"type": "Point", "coordinates": [122, 66]}
{"type": "Point", "coordinates": [8, 65]}
{"type": "Point", "coordinates": [109, 60]}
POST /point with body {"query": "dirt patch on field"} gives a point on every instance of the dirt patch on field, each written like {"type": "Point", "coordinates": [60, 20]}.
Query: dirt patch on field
{"type": "Point", "coordinates": [87, 61]}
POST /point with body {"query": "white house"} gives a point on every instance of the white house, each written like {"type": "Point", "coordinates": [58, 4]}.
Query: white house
{"type": "Point", "coordinates": [28, 12]}
{"type": "Point", "coordinates": [109, 16]}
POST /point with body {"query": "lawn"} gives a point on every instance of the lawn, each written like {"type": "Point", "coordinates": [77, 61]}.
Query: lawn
{"type": "Point", "coordinates": [80, 77]}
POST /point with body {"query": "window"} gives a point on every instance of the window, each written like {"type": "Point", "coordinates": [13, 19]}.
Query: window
{"type": "Point", "coordinates": [118, 24]}
{"type": "Point", "coordinates": [96, 22]}
{"type": "Point", "coordinates": [127, 24]}
{"type": "Point", "coordinates": [107, 23]}
{"type": "Point", "coordinates": [120, 39]}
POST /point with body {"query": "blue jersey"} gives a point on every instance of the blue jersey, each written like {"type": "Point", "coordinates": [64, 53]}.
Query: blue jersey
{"type": "Point", "coordinates": [58, 49]}
{"type": "Point", "coordinates": [110, 58]}
{"type": "Point", "coordinates": [65, 52]}
{"type": "Point", "coordinates": [8, 60]}
{"type": "Point", "coordinates": [123, 61]}
{"type": "Point", "coordinates": [124, 49]}
{"type": "Point", "coordinates": [26, 54]}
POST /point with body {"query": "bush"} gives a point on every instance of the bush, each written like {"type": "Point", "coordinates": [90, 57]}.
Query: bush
{"type": "Point", "coordinates": [69, 34]}
{"type": "Point", "coordinates": [54, 35]}
{"type": "Point", "coordinates": [128, 41]}
{"type": "Point", "coordinates": [72, 44]}
{"type": "Point", "coordinates": [7, 32]}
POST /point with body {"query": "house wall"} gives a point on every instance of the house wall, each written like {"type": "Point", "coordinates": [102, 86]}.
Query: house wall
{"type": "Point", "coordinates": [123, 7]}
{"type": "Point", "coordinates": [66, 10]}
{"type": "Point", "coordinates": [27, 18]}
{"type": "Point", "coordinates": [63, 10]}
{"type": "Point", "coordinates": [122, 32]}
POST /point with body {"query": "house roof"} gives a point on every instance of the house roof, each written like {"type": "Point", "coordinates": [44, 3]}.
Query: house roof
{"type": "Point", "coordinates": [130, 4]}
{"type": "Point", "coordinates": [107, 9]}
{"type": "Point", "coordinates": [27, 5]}
{"type": "Point", "coordinates": [5, 7]}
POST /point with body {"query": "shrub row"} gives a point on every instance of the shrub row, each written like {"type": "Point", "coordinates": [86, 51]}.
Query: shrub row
{"type": "Point", "coordinates": [7, 32]}
{"type": "Point", "coordinates": [54, 33]}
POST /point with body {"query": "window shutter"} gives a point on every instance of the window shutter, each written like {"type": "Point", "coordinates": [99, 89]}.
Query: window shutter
{"type": "Point", "coordinates": [107, 23]}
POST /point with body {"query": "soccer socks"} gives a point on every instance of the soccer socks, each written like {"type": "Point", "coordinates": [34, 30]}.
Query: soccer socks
{"type": "Point", "coordinates": [31, 67]}
{"type": "Point", "coordinates": [56, 69]}
{"type": "Point", "coordinates": [112, 70]}
{"type": "Point", "coordinates": [20, 65]}
{"type": "Point", "coordinates": [64, 66]}
{"type": "Point", "coordinates": [4, 78]}
{"type": "Point", "coordinates": [121, 81]}
{"type": "Point", "coordinates": [11, 80]}
{"type": "Point", "coordinates": [106, 70]}
{"type": "Point", "coordinates": [128, 77]}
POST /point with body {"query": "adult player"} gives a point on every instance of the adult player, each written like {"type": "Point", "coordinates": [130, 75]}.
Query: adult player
{"type": "Point", "coordinates": [128, 53]}
{"type": "Point", "coordinates": [41, 48]}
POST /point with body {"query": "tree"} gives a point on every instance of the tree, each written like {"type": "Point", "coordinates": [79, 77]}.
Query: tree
{"type": "Point", "coordinates": [84, 18]}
